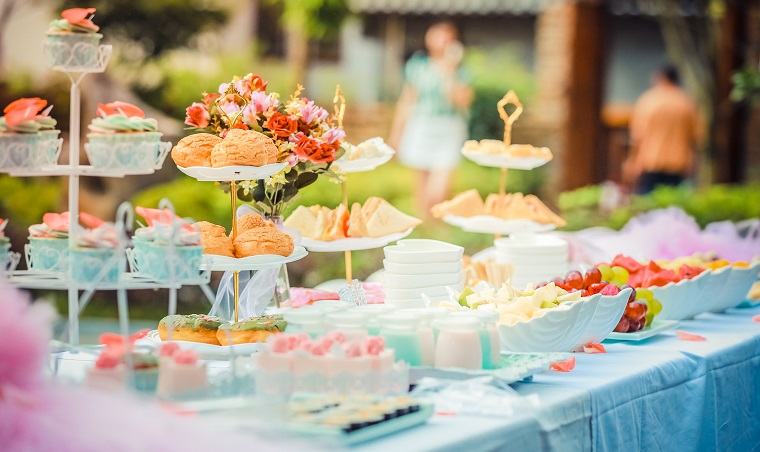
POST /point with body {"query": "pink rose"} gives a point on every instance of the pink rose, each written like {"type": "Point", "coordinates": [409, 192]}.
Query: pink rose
{"type": "Point", "coordinates": [197, 115]}
{"type": "Point", "coordinates": [333, 136]}
{"type": "Point", "coordinates": [311, 112]}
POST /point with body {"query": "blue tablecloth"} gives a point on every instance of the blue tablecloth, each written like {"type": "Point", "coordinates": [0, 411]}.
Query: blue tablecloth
{"type": "Point", "coordinates": [659, 394]}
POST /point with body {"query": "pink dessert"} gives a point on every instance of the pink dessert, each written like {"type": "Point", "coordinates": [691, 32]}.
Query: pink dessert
{"type": "Point", "coordinates": [108, 373]}
{"type": "Point", "coordinates": [300, 296]}
{"type": "Point", "coordinates": [180, 372]}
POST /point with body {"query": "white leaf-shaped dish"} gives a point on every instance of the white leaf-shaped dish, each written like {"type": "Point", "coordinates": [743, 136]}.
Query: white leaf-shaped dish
{"type": "Point", "coordinates": [229, 173]}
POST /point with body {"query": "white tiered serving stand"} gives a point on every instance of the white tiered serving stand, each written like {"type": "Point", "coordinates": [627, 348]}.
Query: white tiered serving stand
{"type": "Point", "coordinates": [487, 224]}
{"type": "Point", "coordinates": [231, 175]}
{"type": "Point", "coordinates": [31, 279]}
{"type": "Point", "coordinates": [345, 168]}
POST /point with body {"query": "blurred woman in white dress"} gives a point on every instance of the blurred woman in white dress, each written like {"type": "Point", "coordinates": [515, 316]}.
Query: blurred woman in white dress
{"type": "Point", "coordinates": [430, 124]}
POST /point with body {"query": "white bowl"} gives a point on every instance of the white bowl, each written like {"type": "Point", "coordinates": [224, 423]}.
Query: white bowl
{"type": "Point", "coordinates": [679, 299]}
{"type": "Point", "coordinates": [400, 281]}
{"type": "Point", "coordinates": [433, 291]}
{"type": "Point", "coordinates": [713, 284]}
{"type": "Point", "coordinates": [608, 312]}
{"type": "Point", "coordinates": [422, 251]}
{"type": "Point", "coordinates": [737, 287]}
{"type": "Point", "coordinates": [422, 269]}
{"type": "Point", "coordinates": [556, 331]}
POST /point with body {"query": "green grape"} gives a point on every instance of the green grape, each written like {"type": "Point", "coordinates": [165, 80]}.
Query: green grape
{"type": "Point", "coordinates": [619, 274]}
{"type": "Point", "coordinates": [606, 272]}
{"type": "Point", "coordinates": [644, 294]}
{"type": "Point", "coordinates": [548, 304]}
{"type": "Point", "coordinates": [649, 318]}
{"type": "Point", "coordinates": [654, 306]}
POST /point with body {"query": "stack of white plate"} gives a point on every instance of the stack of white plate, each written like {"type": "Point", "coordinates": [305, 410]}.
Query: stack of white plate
{"type": "Point", "coordinates": [535, 257]}
{"type": "Point", "coordinates": [416, 266]}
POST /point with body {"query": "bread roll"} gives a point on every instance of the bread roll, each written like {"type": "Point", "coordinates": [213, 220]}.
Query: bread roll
{"type": "Point", "coordinates": [195, 150]}
{"type": "Point", "coordinates": [245, 148]}
{"type": "Point", "coordinates": [218, 245]}
{"type": "Point", "coordinates": [250, 221]}
{"type": "Point", "coordinates": [210, 229]}
{"type": "Point", "coordinates": [264, 240]}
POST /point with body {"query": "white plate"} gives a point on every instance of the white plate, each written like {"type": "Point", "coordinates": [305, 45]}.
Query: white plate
{"type": "Point", "coordinates": [423, 251]}
{"type": "Point", "coordinates": [422, 269]}
{"type": "Point", "coordinates": [261, 262]}
{"type": "Point", "coordinates": [352, 244]}
{"type": "Point", "coordinates": [487, 224]}
{"type": "Point", "coordinates": [228, 173]}
{"type": "Point", "coordinates": [410, 281]}
{"type": "Point", "coordinates": [657, 327]}
{"type": "Point", "coordinates": [207, 350]}
{"type": "Point", "coordinates": [504, 161]}
{"type": "Point", "coordinates": [360, 165]}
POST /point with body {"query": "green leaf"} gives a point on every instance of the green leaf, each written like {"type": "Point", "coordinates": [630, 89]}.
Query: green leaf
{"type": "Point", "coordinates": [305, 179]}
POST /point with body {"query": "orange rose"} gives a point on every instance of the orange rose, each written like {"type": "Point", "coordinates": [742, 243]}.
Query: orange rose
{"type": "Point", "coordinates": [282, 125]}
{"type": "Point", "coordinates": [23, 110]}
{"type": "Point", "coordinates": [197, 115]}
{"type": "Point", "coordinates": [209, 98]}
{"type": "Point", "coordinates": [80, 17]}
{"type": "Point", "coordinates": [118, 107]}
{"type": "Point", "coordinates": [309, 149]}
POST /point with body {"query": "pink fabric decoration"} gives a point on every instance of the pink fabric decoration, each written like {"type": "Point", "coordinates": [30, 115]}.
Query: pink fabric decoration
{"type": "Point", "coordinates": [189, 357]}
{"type": "Point", "coordinates": [168, 349]}
{"type": "Point", "coordinates": [594, 348]}
{"type": "Point", "coordinates": [684, 336]}
{"type": "Point", "coordinates": [564, 366]}
{"type": "Point", "coordinates": [374, 345]}
{"type": "Point", "coordinates": [756, 318]}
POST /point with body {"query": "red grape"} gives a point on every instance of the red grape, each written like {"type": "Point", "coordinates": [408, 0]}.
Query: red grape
{"type": "Point", "coordinates": [635, 310]}
{"type": "Point", "coordinates": [623, 325]}
{"type": "Point", "coordinates": [596, 287]}
{"type": "Point", "coordinates": [632, 297]}
{"type": "Point", "coordinates": [558, 280]}
{"type": "Point", "coordinates": [593, 276]}
{"type": "Point", "coordinates": [574, 279]}
{"type": "Point", "coordinates": [637, 325]}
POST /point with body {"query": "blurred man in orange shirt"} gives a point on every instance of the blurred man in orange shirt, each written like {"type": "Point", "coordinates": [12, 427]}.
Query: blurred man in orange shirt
{"type": "Point", "coordinates": [664, 133]}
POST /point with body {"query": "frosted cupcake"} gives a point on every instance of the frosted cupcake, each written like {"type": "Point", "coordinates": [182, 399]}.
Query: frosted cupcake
{"type": "Point", "coordinates": [48, 248]}
{"type": "Point", "coordinates": [5, 246]}
{"type": "Point", "coordinates": [72, 41]}
{"type": "Point", "coordinates": [28, 138]}
{"type": "Point", "coordinates": [121, 137]}
{"type": "Point", "coordinates": [95, 258]}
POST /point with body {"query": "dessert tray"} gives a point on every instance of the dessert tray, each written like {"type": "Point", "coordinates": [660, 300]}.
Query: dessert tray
{"type": "Point", "coordinates": [512, 367]}
{"type": "Point", "coordinates": [657, 327]}
{"type": "Point", "coordinates": [207, 351]}
{"type": "Point", "coordinates": [227, 173]}
{"type": "Point", "coordinates": [487, 224]}
{"type": "Point", "coordinates": [362, 164]}
{"type": "Point", "coordinates": [505, 161]}
{"type": "Point", "coordinates": [264, 261]}
{"type": "Point", "coordinates": [352, 244]}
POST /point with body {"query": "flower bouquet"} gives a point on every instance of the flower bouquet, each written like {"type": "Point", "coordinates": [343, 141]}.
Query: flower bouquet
{"type": "Point", "coordinates": [300, 129]}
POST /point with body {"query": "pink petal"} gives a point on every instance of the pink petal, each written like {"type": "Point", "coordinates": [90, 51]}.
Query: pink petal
{"type": "Point", "coordinates": [90, 221]}
{"type": "Point", "coordinates": [684, 336]}
{"type": "Point", "coordinates": [564, 366]}
{"type": "Point", "coordinates": [756, 318]}
{"type": "Point", "coordinates": [594, 348]}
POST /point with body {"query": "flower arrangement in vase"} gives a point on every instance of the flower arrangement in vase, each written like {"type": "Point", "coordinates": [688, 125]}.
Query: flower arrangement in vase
{"type": "Point", "coordinates": [301, 130]}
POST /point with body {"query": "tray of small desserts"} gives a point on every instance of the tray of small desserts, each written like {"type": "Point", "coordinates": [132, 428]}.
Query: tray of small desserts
{"type": "Point", "coordinates": [240, 155]}
{"type": "Point", "coordinates": [365, 156]}
{"type": "Point", "coordinates": [212, 337]}
{"type": "Point", "coordinates": [496, 154]}
{"type": "Point", "coordinates": [349, 420]}
{"type": "Point", "coordinates": [498, 214]}
{"type": "Point", "coordinates": [372, 225]}
{"type": "Point", "coordinates": [258, 245]}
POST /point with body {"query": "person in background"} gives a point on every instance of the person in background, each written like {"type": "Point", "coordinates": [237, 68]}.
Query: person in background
{"type": "Point", "coordinates": [430, 124]}
{"type": "Point", "coordinates": [664, 133]}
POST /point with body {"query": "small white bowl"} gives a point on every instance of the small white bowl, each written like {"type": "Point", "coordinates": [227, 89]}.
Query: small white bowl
{"type": "Point", "coordinates": [422, 269]}
{"type": "Point", "coordinates": [679, 299]}
{"type": "Point", "coordinates": [400, 281]}
{"type": "Point", "coordinates": [422, 251]}
{"type": "Point", "coordinates": [609, 310]}
{"type": "Point", "coordinates": [737, 287]}
{"type": "Point", "coordinates": [713, 284]}
{"type": "Point", "coordinates": [531, 243]}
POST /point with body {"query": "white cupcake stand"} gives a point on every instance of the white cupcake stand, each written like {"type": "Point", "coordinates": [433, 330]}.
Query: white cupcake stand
{"type": "Point", "coordinates": [127, 280]}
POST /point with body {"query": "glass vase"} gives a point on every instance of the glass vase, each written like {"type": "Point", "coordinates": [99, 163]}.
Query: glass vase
{"type": "Point", "coordinates": [281, 293]}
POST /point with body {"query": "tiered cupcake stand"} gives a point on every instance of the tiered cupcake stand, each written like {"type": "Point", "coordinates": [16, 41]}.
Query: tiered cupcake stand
{"type": "Point", "coordinates": [120, 163]}
{"type": "Point", "coordinates": [346, 167]}
{"type": "Point", "coordinates": [231, 175]}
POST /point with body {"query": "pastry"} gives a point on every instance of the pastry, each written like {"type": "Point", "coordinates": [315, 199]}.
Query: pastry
{"type": "Point", "coordinates": [305, 220]}
{"type": "Point", "coordinates": [515, 206]}
{"type": "Point", "coordinates": [543, 213]}
{"type": "Point", "coordinates": [263, 240]}
{"type": "Point", "coordinates": [215, 240]}
{"type": "Point", "coordinates": [250, 221]}
{"type": "Point", "coordinates": [386, 219]}
{"type": "Point", "coordinates": [244, 147]}
{"type": "Point", "coordinates": [210, 229]}
{"type": "Point", "coordinates": [338, 224]}
{"type": "Point", "coordinates": [193, 328]}
{"type": "Point", "coordinates": [255, 329]}
{"type": "Point", "coordinates": [465, 204]}
{"type": "Point", "coordinates": [357, 227]}
{"type": "Point", "coordinates": [195, 150]}
{"type": "Point", "coordinates": [526, 150]}
{"type": "Point", "coordinates": [180, 373]}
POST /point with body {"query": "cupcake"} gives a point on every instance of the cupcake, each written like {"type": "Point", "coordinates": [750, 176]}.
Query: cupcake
{"type": "Point", "coordinates": [154, 257]}
{"type": "Point", "coordinates": [121, 137]}
{"type": "Point", "coordinates": [72, 42]}
{"type": "Point", "coordinates": [95, 256]}
{"type": "Point", "coordinates": [110, 371]}
{"type": "Point", "coordinates": [48, 248]}
{"type": "Point", "coordinates": [5, 246]}
{"type": "Point", "coordinates": [28, 138]}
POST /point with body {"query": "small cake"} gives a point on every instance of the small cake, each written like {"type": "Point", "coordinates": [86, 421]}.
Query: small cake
{"type": "Point", "coordinates": [28, 137]}
{"type": "Point", "coordinates": [215, 240]}
{"type": "Point", "coordinates": [357, 227]}
{"type": "Point", "coordinates": [72, 41]}
{"type": "Point", "coordinates": [122, 137]}
{"type": "Point", "coordinates": [255, 329]}
{"type": "Point", "coordinates": [109, 372]}
{"type": "Point", "coordinates": [263, 240]}
{"type": "Point", "coordinates": [465, 204]}
{"type": "Point", "coordinates": [383, 219]}
{"type": "Point", "coordinates": [245, 148]}
{"type": "Point", "coordinates": [528, 151]}
{"type": "Point", "coordinates": [195, 150]}
{"type": "Point", "coordinates": [180, 373]}
{"type": "Point", "coordinates": [193, 328]}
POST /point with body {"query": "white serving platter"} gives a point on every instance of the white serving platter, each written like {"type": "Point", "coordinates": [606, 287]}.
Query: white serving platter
{"type": "Point", "coordinates": [487, 224]}
{"type": "Point", "coordinates": [657, 327]}
{"type": "Point", "coordinates": [230, 173]}
{"type": "Point", "coordinates": [261, 262]}
{"type": "Point", "coordinates": [505, 161]}
{"type": "Point", "coordinates": [206, 350]}
{"type": "Point", "coordinates": [361, 165]}
{"type": "Point", "coordinates": [352, 244]}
